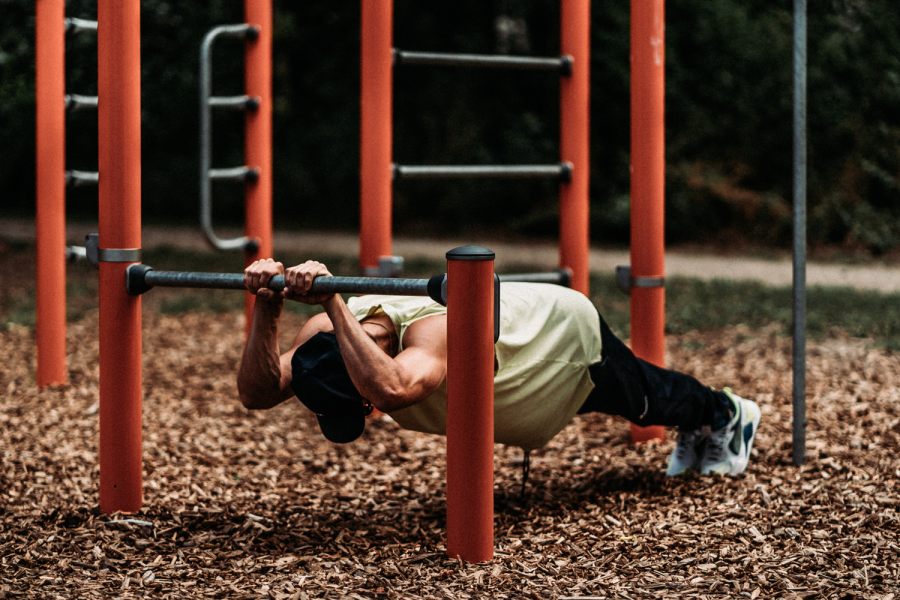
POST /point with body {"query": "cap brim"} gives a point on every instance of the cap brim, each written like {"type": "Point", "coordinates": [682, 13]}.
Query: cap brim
{"type": "Point", "coordinates": [343, 429]}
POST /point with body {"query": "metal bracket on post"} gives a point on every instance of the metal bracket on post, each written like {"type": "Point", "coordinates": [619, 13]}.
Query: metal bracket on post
{"type": "Point", "coordinates": [207, 102]}
{"type": "Point", "coordinates": [388, 266]}
{"type": "Point", "coordinates": [624, 280]}
{"type": "Point", "coordinates": [96, 255]}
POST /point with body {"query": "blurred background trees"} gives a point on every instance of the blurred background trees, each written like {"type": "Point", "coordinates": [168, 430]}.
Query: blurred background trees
{"type": "Point", "coordinates": [728, 118]}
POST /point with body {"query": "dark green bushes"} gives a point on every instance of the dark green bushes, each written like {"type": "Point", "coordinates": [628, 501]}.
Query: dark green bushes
{"type": "Point", "coordinates": [728, 116]}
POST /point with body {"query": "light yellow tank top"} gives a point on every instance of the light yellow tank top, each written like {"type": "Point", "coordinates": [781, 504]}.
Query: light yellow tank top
{"type": "Point", "coordinates": [549, 336]}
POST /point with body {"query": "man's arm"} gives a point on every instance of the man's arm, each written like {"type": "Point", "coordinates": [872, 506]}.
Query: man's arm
{"type": "Point", "coordinates": [260, 377]}
{"type": "Point", "coordinates": [264, 377]}
{"type": "Point", "coordinates": [391, 383]}
{"type": "Point", "coordinates": [388, 383]}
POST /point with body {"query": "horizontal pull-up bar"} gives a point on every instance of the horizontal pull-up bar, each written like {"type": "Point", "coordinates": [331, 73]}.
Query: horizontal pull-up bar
{"type": "Point", "coordinates": [141, 278]}
{"type": "Point", "coordinates": [563, 64]}
{"type": "Point", "coordinates": [562, 171]}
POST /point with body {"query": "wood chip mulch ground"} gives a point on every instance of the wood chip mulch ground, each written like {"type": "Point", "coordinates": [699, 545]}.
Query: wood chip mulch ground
{"type": "Point", "coordinates": [259, 505]}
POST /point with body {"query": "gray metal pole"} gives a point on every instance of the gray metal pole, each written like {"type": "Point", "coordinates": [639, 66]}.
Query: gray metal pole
{"type": "Point", "coordinates": [799, 309]}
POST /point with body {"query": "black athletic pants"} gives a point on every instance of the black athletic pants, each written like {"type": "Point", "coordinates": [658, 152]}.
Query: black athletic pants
{"type": "Point", "coordinates": [627, 386]}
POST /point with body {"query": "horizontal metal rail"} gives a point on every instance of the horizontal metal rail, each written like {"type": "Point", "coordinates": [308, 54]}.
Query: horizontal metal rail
{"type": "Point", "coordinates": [563, 64]}
{"type": "Point", "coordinates": [141, 278]}
{"type": "Point", "coordinates": [78, 102]}
{"type": "Point", "coordinates": [561, 277]}
{"type": "Point", "coordinates": [75, 253]}
{"type": "Point", "coordinates": [207, 101]}
{"type": "Point", "coordinates": [240, 102]}
{"type": "Point", "coordinates": [234, 174]}
{"type": "Point", "coordinates": [76, 25]}
{"type": "Point", "coordinates": [80, 178]}
{"type": "Point", "coordinates": [562, 171]}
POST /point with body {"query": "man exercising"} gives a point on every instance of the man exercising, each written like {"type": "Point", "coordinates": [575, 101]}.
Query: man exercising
{"type": "Point", "coordinates": [555, 358]}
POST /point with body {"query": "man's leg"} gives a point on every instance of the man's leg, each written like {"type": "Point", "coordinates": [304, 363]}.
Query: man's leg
{"type": "Point", "coordinates": [716, 429]}
{"type": "Point", "coordinates": [629, 387]}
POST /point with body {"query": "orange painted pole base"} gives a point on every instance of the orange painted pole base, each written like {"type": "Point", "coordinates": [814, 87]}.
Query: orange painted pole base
{"type": "Point", "coordinates": [121, 480]}
{"type": "Point", "coordinates": [639, 435]}
{"type": "Point", "coordinates": [470, 404]}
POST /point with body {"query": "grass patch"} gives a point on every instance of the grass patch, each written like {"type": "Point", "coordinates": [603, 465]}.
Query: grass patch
{"type": "Point", "coordinates": [691, 304]}
{"type": "Point", "coordinates": [698, 305]}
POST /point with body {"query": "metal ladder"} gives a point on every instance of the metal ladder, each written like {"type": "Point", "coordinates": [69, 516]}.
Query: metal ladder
{"type": "Point", "coordinates": [74, 102]}
{"type": "Point", "coordinates": [207, 103]}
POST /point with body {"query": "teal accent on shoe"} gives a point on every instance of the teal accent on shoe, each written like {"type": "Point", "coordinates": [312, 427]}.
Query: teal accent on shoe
{"type": "Point", "coordinates": [748, 436]}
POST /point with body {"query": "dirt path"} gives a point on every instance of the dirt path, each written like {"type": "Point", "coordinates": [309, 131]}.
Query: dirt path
{"type": "Point", "coordinates": [541, 255]}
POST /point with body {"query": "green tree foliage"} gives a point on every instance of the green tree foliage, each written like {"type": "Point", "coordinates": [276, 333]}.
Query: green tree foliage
{"type": "Point", "coordinates": [728, 94]}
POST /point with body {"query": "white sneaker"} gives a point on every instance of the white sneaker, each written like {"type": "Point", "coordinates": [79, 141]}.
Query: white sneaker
{"type": "Point", "coordinates": [727, 450]}
{"type": "Point", "coordinates": [685, 456]}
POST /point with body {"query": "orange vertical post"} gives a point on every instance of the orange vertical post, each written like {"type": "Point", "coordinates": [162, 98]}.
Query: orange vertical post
{"type": "Point", "coordinates": [50, 214]}
{"type": "Point", "coordinates": [470, 403]}
{"type": "Point", "coordinates": [119, 116]}
{"type": "Point", "coordinates": [574, 142]}
{"type": "Point", "coordinates": [648, 314]}
{"type": "Point", "coordinates": [258, 136]}
{"type": "Point", "coordinates": [376, 82]}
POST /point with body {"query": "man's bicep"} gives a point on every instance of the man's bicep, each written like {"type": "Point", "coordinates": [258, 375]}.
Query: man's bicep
{"type": "Point", "coordinates": [424, 370]}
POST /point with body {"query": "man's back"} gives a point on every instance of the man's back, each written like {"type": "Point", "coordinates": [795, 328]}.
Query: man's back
{"type": "Point", "coordinates": [549, 336]}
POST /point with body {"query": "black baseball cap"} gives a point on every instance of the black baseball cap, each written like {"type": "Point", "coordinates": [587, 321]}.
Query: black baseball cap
{"type": "Point", "coordinates": [320, 381]}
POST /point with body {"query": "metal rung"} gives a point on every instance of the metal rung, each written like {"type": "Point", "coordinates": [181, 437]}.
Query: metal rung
{"type": "Point", "coordinates": [241, 102]}
{"type": "Point", "coordinates": [558, 63]}
{"type": "Point", "coordinates": [78, 102]}
{"type": "Point", "coordinates": [561, 171]}
{"type": "Point", "coordinates": [76, 25]}
{"type": "Point", "coordinates": [234, 174]}
{"type": "Point", "coordinates": [75, 253]}
{"type": "Point", "coordinates": [80, 178]}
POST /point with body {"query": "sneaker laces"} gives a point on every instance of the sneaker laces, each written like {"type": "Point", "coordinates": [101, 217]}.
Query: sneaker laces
{"type": "Point", "coordinates": [686, 443]}
{"type": "Point", "coordinates": [716, 442]}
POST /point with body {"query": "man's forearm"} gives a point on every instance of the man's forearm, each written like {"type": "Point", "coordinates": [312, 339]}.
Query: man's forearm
{"type": "Point", "coordinates": [259, 376]}
{"type": "Point", "coordinates": [374, 373]}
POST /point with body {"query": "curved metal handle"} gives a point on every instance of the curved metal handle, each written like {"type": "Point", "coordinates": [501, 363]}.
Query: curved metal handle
{"type": "Point", "coordinates": [206, 172]}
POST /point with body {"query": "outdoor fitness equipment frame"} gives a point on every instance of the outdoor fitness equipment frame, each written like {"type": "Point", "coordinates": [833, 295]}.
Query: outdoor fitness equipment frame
{"type": "Point", "coordinates": [378, 172]}
{"type": "Point", "coordinates": [51, 101]}
{"type": "Point", "coordinates": [120, 241]}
